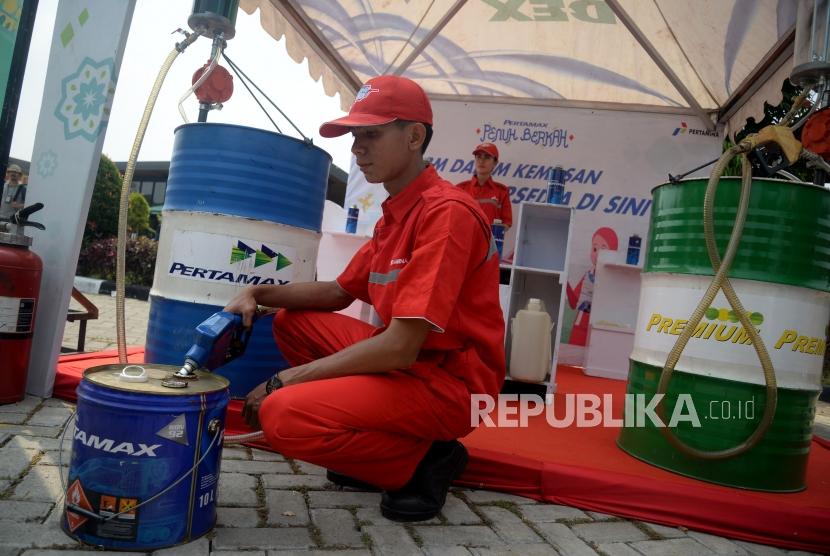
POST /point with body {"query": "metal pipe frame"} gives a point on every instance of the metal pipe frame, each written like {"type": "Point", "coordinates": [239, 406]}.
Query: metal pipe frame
{"type": "Point", "coordinates": [661, 63]}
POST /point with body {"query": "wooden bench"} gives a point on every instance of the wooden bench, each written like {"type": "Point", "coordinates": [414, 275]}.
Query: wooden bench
{"type": "Point", "coordinates": [90, 311]}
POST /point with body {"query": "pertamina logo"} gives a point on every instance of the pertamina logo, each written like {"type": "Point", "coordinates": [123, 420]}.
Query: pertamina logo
{"type": "Point", "coordinates": [230, 260]}
{"type": "Point", "coordinates": [246, 259]}
{"type": "Point", "coordinates": [684, 128]}
{"type": "Point", "coordinates": [263, 256]}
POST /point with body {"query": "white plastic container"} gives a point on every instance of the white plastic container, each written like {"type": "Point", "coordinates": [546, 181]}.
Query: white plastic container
{"type": "Point", "coordinates": [530, 350]}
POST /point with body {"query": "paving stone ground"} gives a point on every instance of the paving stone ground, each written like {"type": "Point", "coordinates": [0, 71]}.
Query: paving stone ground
{"type": "Point", "coordinates": [269, 505]}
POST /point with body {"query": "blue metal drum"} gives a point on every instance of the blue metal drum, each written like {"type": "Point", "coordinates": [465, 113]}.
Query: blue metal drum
{"type": "Point", "coordinates": [243, 206]}
{"type": "Point", "coordinates": [136, 439]}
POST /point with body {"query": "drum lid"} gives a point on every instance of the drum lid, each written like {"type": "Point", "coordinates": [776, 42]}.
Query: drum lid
{"type": "Point", "coordinates": [152, 378]}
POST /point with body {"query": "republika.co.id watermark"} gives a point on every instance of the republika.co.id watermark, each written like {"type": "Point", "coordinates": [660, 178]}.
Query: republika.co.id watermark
{"type": "Point", "coordinates": [591, 410]}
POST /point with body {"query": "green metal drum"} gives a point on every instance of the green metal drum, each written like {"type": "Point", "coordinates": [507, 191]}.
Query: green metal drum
{"type": "Point", "coordinates": [717, 394]}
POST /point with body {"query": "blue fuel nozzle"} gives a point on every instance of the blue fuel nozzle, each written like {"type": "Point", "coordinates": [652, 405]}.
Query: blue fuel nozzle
{"type": "Point", "coordinates": [219, 339]}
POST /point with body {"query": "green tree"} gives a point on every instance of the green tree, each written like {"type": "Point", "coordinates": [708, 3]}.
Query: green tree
{"type": "Point", "coordinates": [138, 215]}
{"type": "Point", "coordinates": [102, 220]}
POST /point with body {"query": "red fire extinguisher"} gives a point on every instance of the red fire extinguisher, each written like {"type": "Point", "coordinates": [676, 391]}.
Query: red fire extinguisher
{"type": "Point", "coordinates": [20, 271]}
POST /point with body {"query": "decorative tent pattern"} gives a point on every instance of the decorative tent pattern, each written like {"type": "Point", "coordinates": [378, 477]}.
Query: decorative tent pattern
{"type": "Point", "coordinates": [716, 59]}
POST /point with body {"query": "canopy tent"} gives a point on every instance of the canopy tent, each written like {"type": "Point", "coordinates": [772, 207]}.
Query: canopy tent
{"type": "Point", "coordinates": [718, 60]}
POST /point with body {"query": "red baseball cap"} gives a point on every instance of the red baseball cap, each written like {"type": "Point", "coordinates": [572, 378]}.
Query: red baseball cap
{"type": "Point", "coordinates": [488, 148]}
{"type": "Point", "coordinates": [380, 101]}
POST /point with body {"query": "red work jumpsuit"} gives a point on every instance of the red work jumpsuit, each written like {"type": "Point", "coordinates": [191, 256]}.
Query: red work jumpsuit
{"type": "Point", "coordinates": [431, 258]}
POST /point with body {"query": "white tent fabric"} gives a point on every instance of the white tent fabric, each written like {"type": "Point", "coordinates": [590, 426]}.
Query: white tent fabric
{"type": "Point", "coordinates": [709, 58]}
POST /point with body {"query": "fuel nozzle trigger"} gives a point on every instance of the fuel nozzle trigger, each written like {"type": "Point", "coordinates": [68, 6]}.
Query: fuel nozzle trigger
{"type": "Point", "coordinates": [239, 342]}
{"type": "Point", "coordinates": [774, 148]}
{"type": "Point", "coordinates": [219, 339]}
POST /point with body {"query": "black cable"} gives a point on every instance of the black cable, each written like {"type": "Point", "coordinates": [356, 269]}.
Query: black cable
{"type": "Point", "coordinates": [242, 75]}
{"type": "Point", "coordinates": [676, 179]}
{"type": "Point", "coordinates": [236, 69]}
{"type": "Point", "coordinates": [267, 115]}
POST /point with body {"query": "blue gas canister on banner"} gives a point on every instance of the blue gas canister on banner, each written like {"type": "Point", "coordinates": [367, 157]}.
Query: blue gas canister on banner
{"type": "Point", "coordinates": [556, 186]}
{"type": "Point", "coordinates": [498, 235]}
{"type": "Point", "coordinates": [633, 255]}
{"type": "Point", "coordinates": [351, 220]}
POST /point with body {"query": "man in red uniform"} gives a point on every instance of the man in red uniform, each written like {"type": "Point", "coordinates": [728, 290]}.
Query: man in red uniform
{"type": "Point", "coordinates": [493, 196]}
{"type": "Point", "coordinates": [385, 406]}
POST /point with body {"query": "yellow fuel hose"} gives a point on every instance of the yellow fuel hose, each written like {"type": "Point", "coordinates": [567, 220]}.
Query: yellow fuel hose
{"type": "Point", "coordinates": [121, 252]}
{"type": "Point", "coordinates": [721, 282]}
{"type": "Point", "coordinates": [124, 206]}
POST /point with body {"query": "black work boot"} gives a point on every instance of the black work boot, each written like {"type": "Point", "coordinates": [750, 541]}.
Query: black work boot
{"type": "Point", "coordinates": [425, 493]}
{"type": "Point", "coordinates": [345, 481]}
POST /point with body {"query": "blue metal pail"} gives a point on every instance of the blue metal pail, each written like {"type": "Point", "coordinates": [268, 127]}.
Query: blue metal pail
{"type": "Point", "coordinates": [132, 441]}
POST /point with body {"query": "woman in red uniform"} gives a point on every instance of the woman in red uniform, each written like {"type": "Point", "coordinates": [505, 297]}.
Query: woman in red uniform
{"type": "Point", "coordinates": [385, 406]}
{"type": "Point", "coordinates": [492, 196]}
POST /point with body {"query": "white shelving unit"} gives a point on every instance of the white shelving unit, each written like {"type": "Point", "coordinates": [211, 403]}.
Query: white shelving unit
{"type": "Point", "coordinates": [613, 316]}
{"type": "Point", "coordinates": [539, 270]}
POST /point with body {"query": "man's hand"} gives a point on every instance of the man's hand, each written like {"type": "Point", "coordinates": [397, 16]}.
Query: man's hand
{"type": "Point", "coordinates": [245, 304]}
{"type": "Point", "coordinates": [250, 411]}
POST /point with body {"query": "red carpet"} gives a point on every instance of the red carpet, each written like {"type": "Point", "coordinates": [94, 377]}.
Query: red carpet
{"type": "Point", "coordinates": [584, 468]}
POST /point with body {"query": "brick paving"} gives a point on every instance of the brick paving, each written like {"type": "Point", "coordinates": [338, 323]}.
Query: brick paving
{"type": "Point", "coordinates": [269, 505]}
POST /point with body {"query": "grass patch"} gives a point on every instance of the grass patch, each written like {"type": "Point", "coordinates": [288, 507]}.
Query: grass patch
{"type": "Point", "coordinates": [511, 507]}
{"type": "Point", "coordinates": [419, 542]}
{"type": "Point", "coordinates": [13, 484]}
{"type": "Point", "coordinates": [262, 504]}
{"type": "Point", "coordinates": [653, 535]}
{"type": "Point", "coordinates": [366, 538]}
{"type": "Point", "coordinates": [576, 521]}
{"type": "Point", "coordinates": [313, 531]}
{"type": "Point", "coordinates": [474, 508]}
{"type": "Point", "coordinates": [316, 535]}
{"type": "Point", "coordinates": [295, 467]}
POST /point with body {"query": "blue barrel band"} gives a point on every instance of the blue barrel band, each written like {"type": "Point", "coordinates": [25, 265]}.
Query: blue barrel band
{"type": "Point", "coordinates": [247, 172]}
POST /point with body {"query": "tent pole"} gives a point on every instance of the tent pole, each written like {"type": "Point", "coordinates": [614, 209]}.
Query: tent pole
{"type": "Point", "coordinates": [431, 35]}
{"type": "Point", "coordinates": [564, 103]}
{"type": "Point", "coordinates": [297, 18]}
{"type": "Point", "coordinates": [661, 63]}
